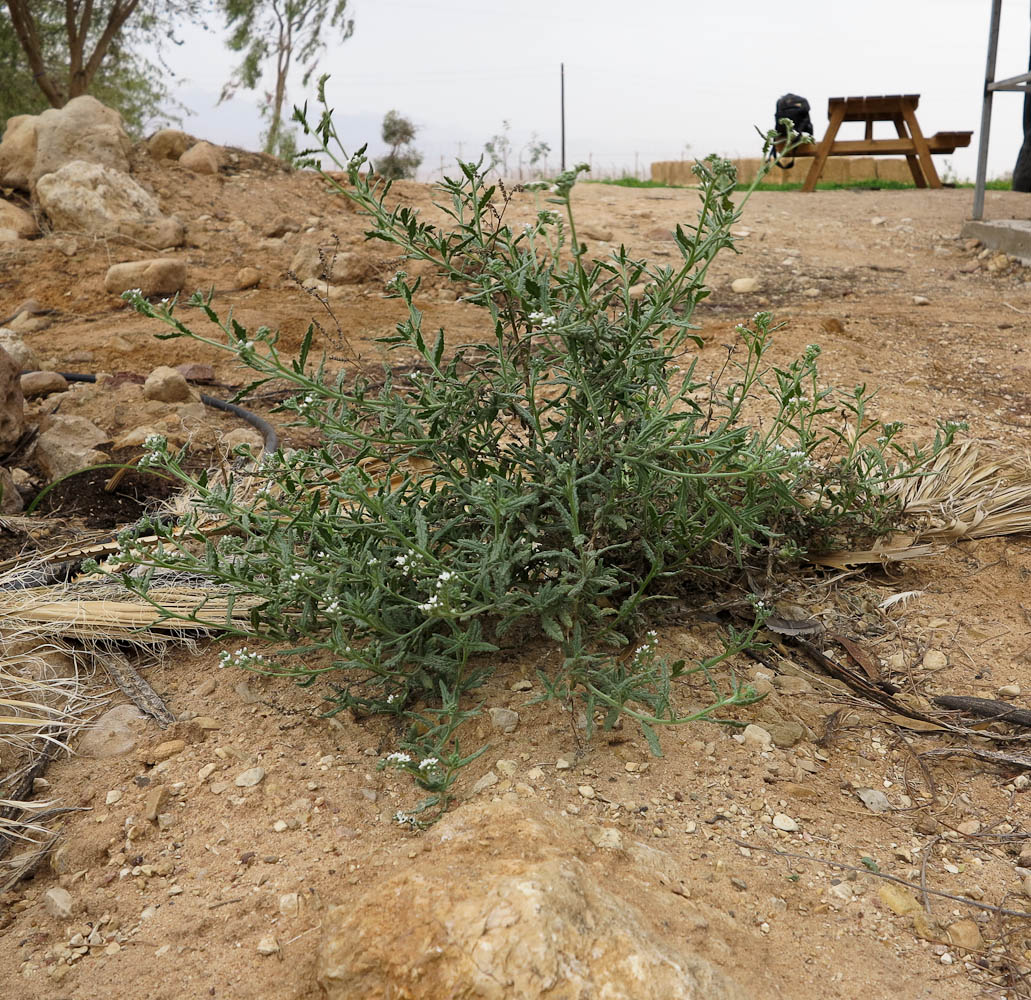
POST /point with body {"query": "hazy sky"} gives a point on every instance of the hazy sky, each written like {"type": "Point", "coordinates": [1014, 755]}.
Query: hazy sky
{"type": "Point", "coordinates": [645, 79]}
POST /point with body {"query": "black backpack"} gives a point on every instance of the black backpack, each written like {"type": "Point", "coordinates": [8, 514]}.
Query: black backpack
{"type": "Point", "coordinates": [796, 110]}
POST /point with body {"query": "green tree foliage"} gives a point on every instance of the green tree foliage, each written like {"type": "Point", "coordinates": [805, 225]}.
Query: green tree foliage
{"type": "Point", "coordinates": [402, 160]}
{"type": "Point", "coordinates": [53, 50]}
{"type": "Point", "coordinates": [280, 31]}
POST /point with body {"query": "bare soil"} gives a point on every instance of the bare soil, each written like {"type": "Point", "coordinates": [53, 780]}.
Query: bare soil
{"type": "Point", "coordinates": [183, 907]}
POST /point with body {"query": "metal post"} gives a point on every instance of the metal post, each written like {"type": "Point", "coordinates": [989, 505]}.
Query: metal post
{"type": "Point", "coordinates": [562, 75]}
{"type": "Point", "coordinates": [986, 111]}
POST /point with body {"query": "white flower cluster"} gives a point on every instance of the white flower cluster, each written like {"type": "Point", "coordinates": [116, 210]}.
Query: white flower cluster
{"type": "Point", "coordinates": [243, 658]}
{"type": "Point", "coordinates": [542, 320]}
{"type": "Point", "coordinates": [651, 642]}
{"type": "Point", "coordinates": [433, 601]}
{"type": "Point", "coordinates": [398, 758]}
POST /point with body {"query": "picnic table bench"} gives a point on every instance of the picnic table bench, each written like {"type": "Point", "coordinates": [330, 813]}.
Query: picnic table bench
{"type": "Point", "coordinates": [900, 110]}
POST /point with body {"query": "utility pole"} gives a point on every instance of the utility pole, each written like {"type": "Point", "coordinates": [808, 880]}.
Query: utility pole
{"type": "Point", "coordinates": [562, 77]}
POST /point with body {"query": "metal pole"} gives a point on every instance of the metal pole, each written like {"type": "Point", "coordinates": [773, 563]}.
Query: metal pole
{"type": "Point", "coordinates": [986, 111]}
{"type": "Point", "coordinates": [562, 75]}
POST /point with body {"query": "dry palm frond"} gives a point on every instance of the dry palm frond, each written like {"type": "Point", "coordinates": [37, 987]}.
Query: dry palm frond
{"type": "Point", "coordinates": [958, 496]}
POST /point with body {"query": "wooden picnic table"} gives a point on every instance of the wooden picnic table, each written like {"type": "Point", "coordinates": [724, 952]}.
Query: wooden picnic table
{"type": "Point", "coordinates": [900, 110]}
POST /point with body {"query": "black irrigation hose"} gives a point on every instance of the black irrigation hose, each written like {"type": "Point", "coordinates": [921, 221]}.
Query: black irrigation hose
{"type": "Point", "coordinates": [267, 431]}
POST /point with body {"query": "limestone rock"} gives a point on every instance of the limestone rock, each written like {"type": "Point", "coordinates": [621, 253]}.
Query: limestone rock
{"type": "Point", "coordinates": [24, 356]}
{"type": "Point", "coordinates": [67, 443]}
{"type": "Point", "coordinates": [534, 923]}
{"type": "Point", "coordinates": [168, 144]}
{"type": "Point", "coordinates": [744, 286]}
{"type": "Point", "coordinates": [12, 403]}
{"type": "Point", "coordinates": [95, 199]}
{"type": "Point", "coordinates": [35, 384]}
{"type": "Point", "coordinates": [166, 385]}
{"type": "Point", "coordinates": [157, 276]}
{"type": "Point", "coordinates": [13, 217]}
{"type": "Point", "coordinates": [247, 277]}
{"type": "Point", "coordinates": [59, 903]}
{"type": "Point", "coordinates": [202, 158]}
{"type": "Point", "coordinates": [114, 734]}
{"type": "Point", "coordinates": [84, 129]}
{"type": "Point", "coordinates": [18, 151]}
{"type": "Point", "coordinates": [322, 261]}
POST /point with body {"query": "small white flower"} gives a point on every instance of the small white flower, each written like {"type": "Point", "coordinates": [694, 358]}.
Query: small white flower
{"type": "Point", "coordinates": [398, 758]}
{"type": "Point", "coordinates": [428, 764]}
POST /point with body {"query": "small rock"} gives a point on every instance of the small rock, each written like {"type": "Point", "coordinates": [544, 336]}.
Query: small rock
{"type": "Point", "coordinates": [507, 768]}
{"type": "Point", "coordinates": [281, 226]}
{"type": "Point", "coordinates": [606, 837]}
{"type": "Point", "coordinates": [782, 821]}
{"type": "Point", "coordinates": [756, 737]}
{"type": "Point", "coordinates": [596, 233]}
{"type": "Point", "coordinates": [965, 934]}
{"type": "Point", "coordinates": [268, 945]}
{"type": "Point", "coordinates": [58, 902]}
{"type": "Point", "coordinates": [1009, 691]}
{"type": "Point", "coordinates": [113, 796]}
{"type": "Point", "coordinates": [841, 891]}
{"type": "Point", "coordinates": [504, 719]}
{"type": "Point", "coordinates": [562, 764]}
{"type": "Point", "coordinates": [786, 734]}
{"type": "Point", "coordinates": [934, 659]}
{"type": "Point", "coordinates": [163, 751]}
{"type": "Point", "coordinates": [194, 371]}
{"type": "Point", "coordinates": [156, 798]}
{"type": "Point", "coordinates": [921, 300]}
{"type": "Point", "coordinates": [787, 684]}
{"type": "Point", "coordinates": [280, 826]}
{"type": "Point", "coordinates": [523, 685]}
{"type": "Point", "coordinates": [206, 772]}
{"type": "Point", "coordinates": [22, 355]}
{"type": "Point", "coordinates": [811, 293]}
{"type": "Point", "coordinates": [878, 220]}
{"type": "Point", "coordinates": [489, 779]}
{"type": "Point", "coordinates": [115, 733]}
{"type": "Point", "coordinates": [535, 774]}
{"type": "Point", "coordinates": [246, 695]}
{"type": "Point", "coordinates": [166, 385]}
{"type": "Point", "coordinates": [587, 792]}
{"type": "Point", "coordinates": [247, 277]}
{"type": "Point", "coordinates": [249, 778]}
{"type": "Point", "coordinates": [289, 904]}
{"type": "Point", "coordinates": [874, 800]}
{"type": "Point", "coordinates": [157, 276]}
{"type": "Point", "coordinates": [744, 286]}
{"type": "Point", "coordinates": [35, 384]}
{"type": "Point", "coordinates": [969, 827]}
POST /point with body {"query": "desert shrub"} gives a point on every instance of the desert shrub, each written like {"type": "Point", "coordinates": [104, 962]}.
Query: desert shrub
{"type": "Point", "coordinates": [557, 482]}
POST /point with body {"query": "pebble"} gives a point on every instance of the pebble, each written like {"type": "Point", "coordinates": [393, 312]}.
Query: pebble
{"type": "Point", "coordinates": [562, 764]}
{"type": "Point", "coordinates": [782, 821]}
{"type": "Point", "coordinates": [812, 293]}
{"type": "Point", "coordinates": [504, 719]}
{"type": "Point", "coordinates": [489, 779]}
{"type": "Point", "coordinates": [206, 772]}
{"type": "Point", "coordinates": [205, 688]}
{"type": "Point", "coordinates": [757, 737]}
{"type": "Point", "coordinates": [934, 659]}
{"type": "Point", "coordinates": [280, 826]}
{"type": "Point", "coordinates": [786, 734]}
{"type": "Point", "coordinates": [289, 904]}
{"type": "Point", "coordinates": [247, 277]}
{"type": "Point", "coordinates": [523, 685]}
{"type": "Point", "coordinates": [58, 902]}
{"type": "Point", "coordinates": [249, 778]}
{"type": "Point", "coordinates": [874, 800]}
{"type": "Point", "coordinates": [535, 774]}
{"type": "Point", "coordinates": [878, 220]}
{"type": "Point", "coordinates": [606, 837]}
{"type": "Point", "coordinates": [34, 384]}
{"type": "Point", "coordinates": [921, 300]}
{"type": "Point", "coordinates": [163, 751]}
{"type": "Point", "coordinates": [268, 945]}
{"type": "Point", "coordinates": [113, 796]}
{"type": "Point", "coordinates": [969, 828]}
{"type": "Point", "coordinates": [787, 684]}
{"type": "Point", "coordinates": [155, 799]}
{"type": "Point", "coordinates": [1009, 691]}
{"type": "Point", "coordinates": [587, 792]}
{"type": "Point", "coordinates": [744, 286]}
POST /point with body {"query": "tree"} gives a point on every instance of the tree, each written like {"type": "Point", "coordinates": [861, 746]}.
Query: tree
{"type": "Point", "coordinates": [54, 50]}
{"type": "Point", "coordinates": [283, 29]}
{"type": "Point", "coordinates": [402, 160]}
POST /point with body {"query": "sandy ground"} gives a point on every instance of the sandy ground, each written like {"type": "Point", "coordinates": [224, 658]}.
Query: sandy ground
{"type": "Point", "coordinates": [180, 909]}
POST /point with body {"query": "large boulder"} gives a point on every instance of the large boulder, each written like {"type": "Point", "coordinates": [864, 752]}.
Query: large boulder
{"type": "Point", "coordinates": [84, 129]}
{"type": "Point", "coordinates": [100, 201]}
{"type": "Point", "coordinates": [18, 151]}
{"type": "Point", "coordinates": [533, 922]}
